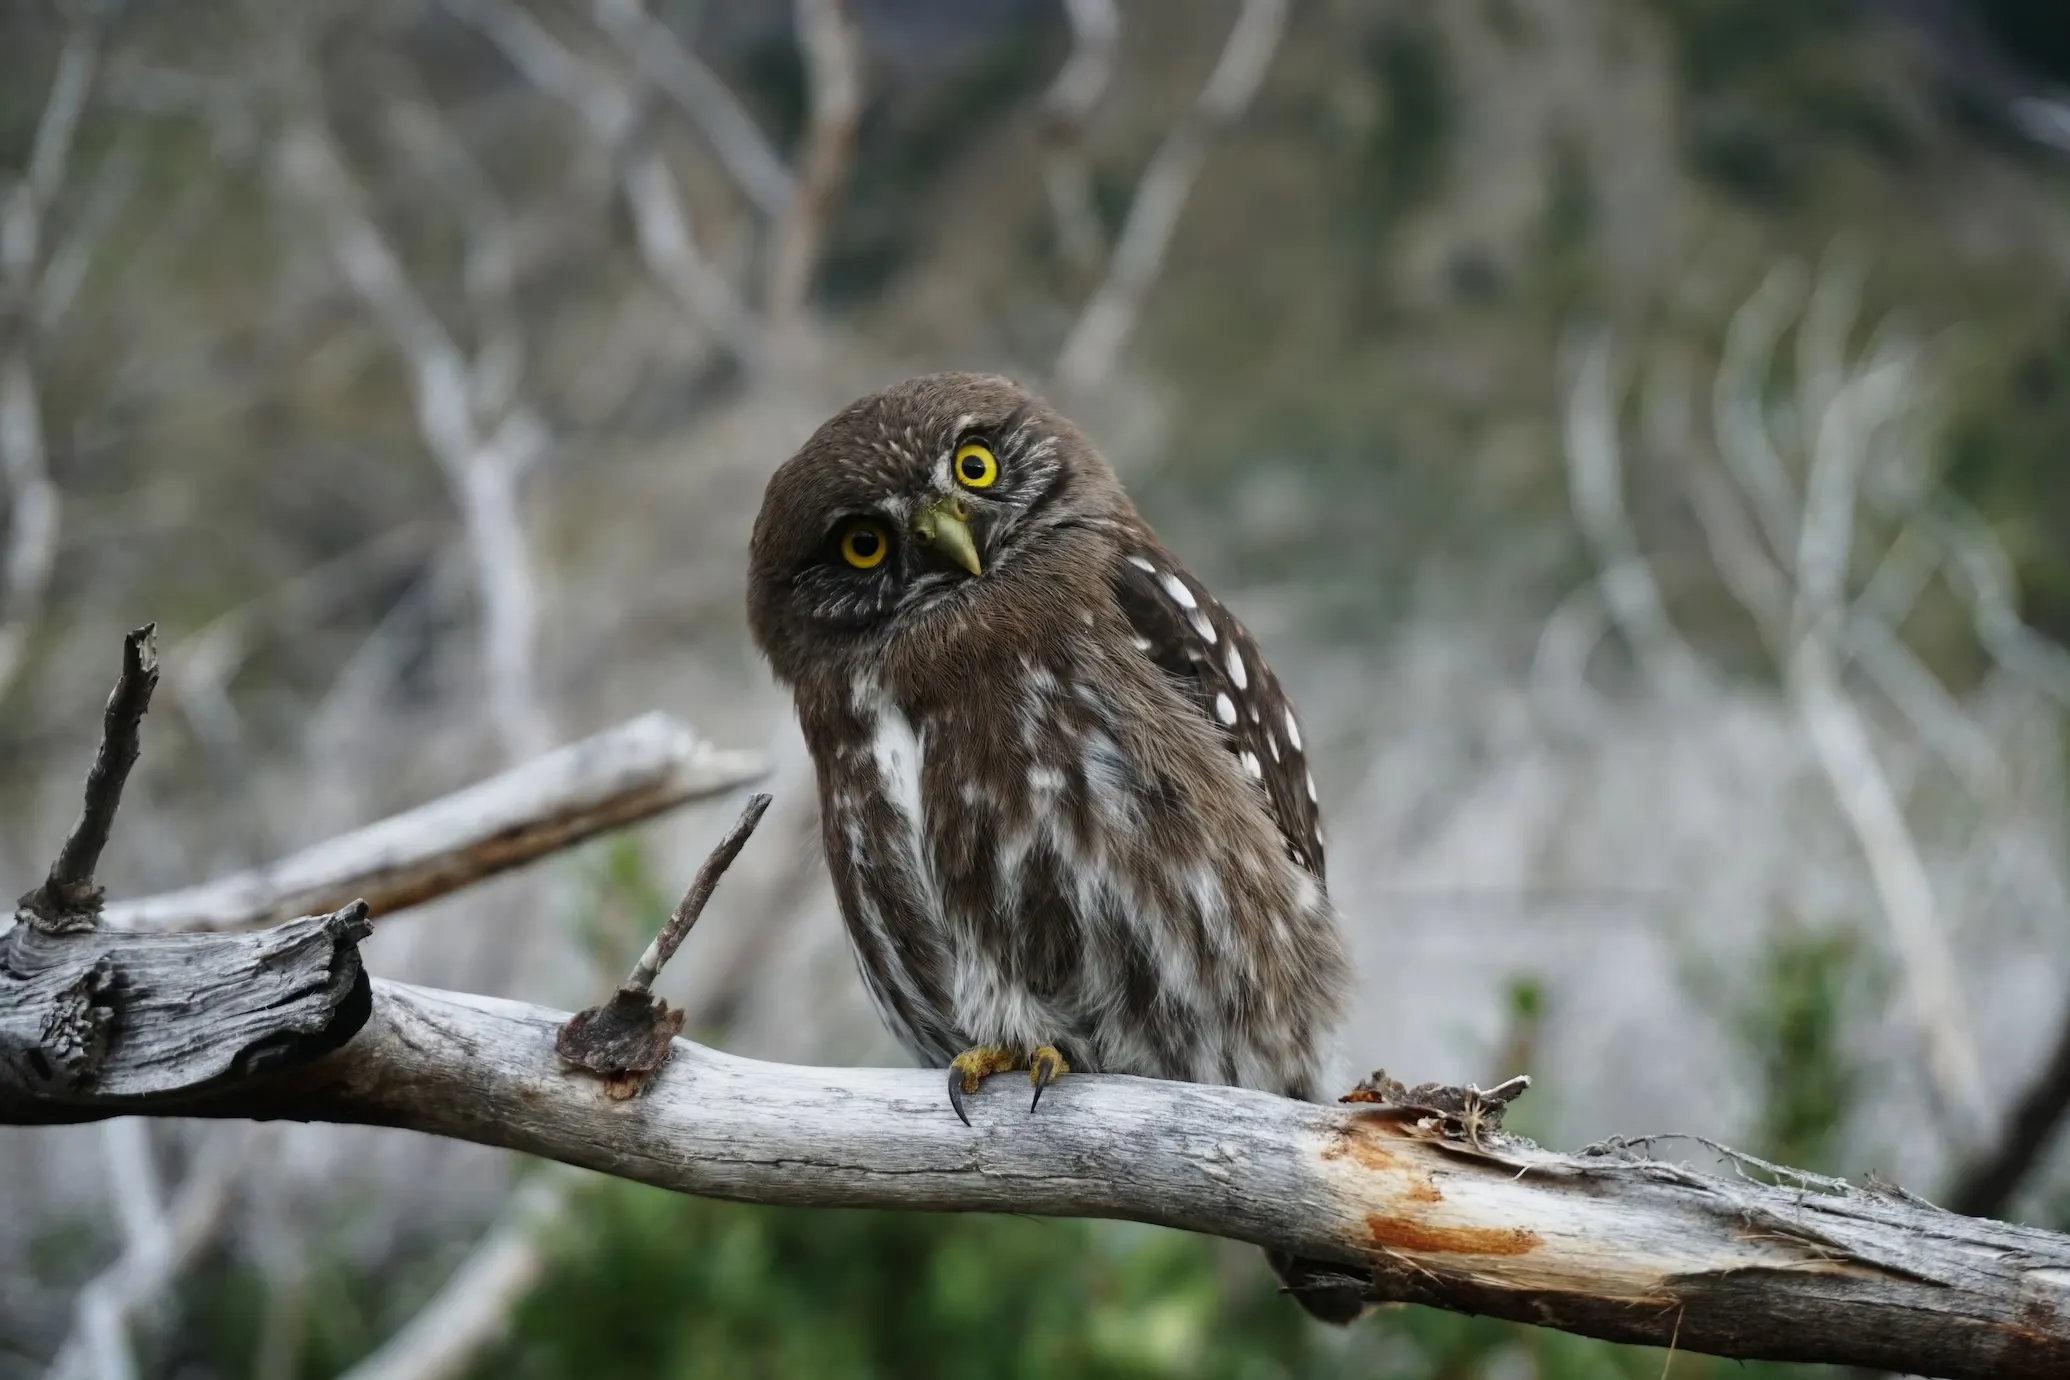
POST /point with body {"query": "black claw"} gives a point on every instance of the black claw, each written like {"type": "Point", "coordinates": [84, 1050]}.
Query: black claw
{"type": "Point", "coordinates": [956, 1094]}
{"type": "Point", "coordinates": [1042, 1077]}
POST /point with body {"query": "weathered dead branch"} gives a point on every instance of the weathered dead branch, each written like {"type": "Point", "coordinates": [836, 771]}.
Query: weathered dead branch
{"type": "Point", "coordinates": [1603, 1243]}
{"type": "Point", "coordinates": [1417, 1189]}
{"type": "Point", "coordinates": [832, 51]}
{"type": "Point", "coordinates": [1066, 110]}
{"type": "Point", "coordinates": [621, 776]}
{"type": "Point", "coordinates": [1110, 316]}
{"type": "Point", "coordinates": [26, 274]}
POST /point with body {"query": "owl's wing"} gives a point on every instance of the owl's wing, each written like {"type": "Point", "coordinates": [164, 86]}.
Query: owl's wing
{"type": "Point", "coordinates": [1188, 634]}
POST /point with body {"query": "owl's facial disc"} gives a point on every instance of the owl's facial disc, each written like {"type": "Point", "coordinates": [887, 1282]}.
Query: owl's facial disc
{"type": "Point", "coordinates": [943, 524]}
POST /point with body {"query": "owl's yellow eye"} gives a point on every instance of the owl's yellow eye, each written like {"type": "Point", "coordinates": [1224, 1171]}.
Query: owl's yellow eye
{"type": "Point", "coordinates": [975, 468]}
{"type": "Point", "coordinates": [863, 545]}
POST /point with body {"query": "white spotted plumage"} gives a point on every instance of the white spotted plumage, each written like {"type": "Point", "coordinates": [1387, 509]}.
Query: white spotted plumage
{"type": "Point", "coordinates": [1063, 800]}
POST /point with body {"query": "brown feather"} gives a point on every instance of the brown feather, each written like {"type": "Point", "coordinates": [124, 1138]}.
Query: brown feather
{"type": "Point", "coordinates": [1064, 799]}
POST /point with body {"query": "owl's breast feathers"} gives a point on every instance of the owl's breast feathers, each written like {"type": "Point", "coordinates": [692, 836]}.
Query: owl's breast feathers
{"type": "Point", "coordinates": [1092, 825]}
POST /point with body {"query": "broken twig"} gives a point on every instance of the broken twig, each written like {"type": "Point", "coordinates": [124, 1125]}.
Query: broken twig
{"type": "Point", "coordinates": [627, 1038]}
{"type": "Point", "coordinates": [69, 899]}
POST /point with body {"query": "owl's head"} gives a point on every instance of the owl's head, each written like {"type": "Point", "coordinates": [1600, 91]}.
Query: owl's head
{"type": "Point", "coordinates": [943, 492]}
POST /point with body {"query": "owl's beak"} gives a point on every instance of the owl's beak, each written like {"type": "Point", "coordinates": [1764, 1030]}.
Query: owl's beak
{"type": "Point", "coordinates": [943, 525]}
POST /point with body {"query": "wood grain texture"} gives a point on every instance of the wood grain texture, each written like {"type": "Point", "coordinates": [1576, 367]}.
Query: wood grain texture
{"type": "Point", "coordinates": [99, 1021]}
{"type": "Point", "coordinates": [635, 771]}
{"type": "Point", "coordinates": [1602, 1243]}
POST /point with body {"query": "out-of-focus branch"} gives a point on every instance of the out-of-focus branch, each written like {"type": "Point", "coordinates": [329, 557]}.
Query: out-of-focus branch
{"type": "Point", "coordinates": [156, 1252]}
{"type": "Point", "coordinates": [1740, 415]}
{"type": "Point", "coordinates": [472, 1309]}
{"type": "Point", "coordinates": [1089, 352]}
{"type": "Point", "coordinates": [609, 111]}
{"type": "Point", "coordinates": [1066, 110]}
{"type": "Point", "coordinates": [1852, 414]}
{"type": "Point", "coordinates": [1595, 486]}
{"type": "Point", "coordinates": [489, 269]}
{"type": "Point", "coordinates": [832, 50]}
{"type": "Point", "coordinates": [636, 771]}
{"type": "Point", "coordinates": [677, 73]}
{"type": "Point", "coordinates": [33, 500]}
{"type": "Point", "coordinates": [1762, 587]}
{"type": "Point", "coordinates": [1987, 1184]}
{"type": "Point", "coordinates": [1983, 573]}
{"type": "Point", "coordinates": [481, 463]}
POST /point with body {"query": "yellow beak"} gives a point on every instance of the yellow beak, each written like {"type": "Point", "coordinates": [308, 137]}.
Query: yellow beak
{"type": "Point", "coordinates": [943, 525]}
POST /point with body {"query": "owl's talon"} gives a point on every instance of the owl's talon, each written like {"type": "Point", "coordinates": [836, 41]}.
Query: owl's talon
{"type": "Point", "coordinates": [1045, 1066]}
{"type": "Point", "coordinates": [956, 1094]}
{"type": "Point", "coordinates": [971, 1068]}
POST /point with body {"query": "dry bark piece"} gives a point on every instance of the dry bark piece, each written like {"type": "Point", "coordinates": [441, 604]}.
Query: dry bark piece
{"type": "Point", "coordinates": [626, 1040]}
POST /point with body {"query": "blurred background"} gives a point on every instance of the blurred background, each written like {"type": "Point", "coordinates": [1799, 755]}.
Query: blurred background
{"type": "Point", "coordinates": [1634, 429]}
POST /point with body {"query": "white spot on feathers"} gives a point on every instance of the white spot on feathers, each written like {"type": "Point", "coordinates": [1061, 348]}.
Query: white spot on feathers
{"type": "Point", "coordinates": [1252, 765]}
{"type": "Point", "coordinates": [1293, 731]}
{"type": "Point", "coordinates": [1311, 788]}
{"type": "Point", "coordinates": [1203, 627]}
{"type": "Point", "coordinates": [1181, 595]}
{"type": "Point", "coordinates": [1225, 709]}
{"type": "Point", "coordinates": [1139, 563]}
{"type": "Point", "coordinates": [896, 748]}
{"type": "Point", "coordinates": [1236, 670]}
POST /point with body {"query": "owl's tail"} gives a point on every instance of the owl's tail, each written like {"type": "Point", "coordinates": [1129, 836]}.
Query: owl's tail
{"type": "Point", "coordinates": [1328, 1292]}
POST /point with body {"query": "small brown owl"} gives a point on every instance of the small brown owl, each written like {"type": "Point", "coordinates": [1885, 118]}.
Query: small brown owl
{"type": "Point", "coordinates": [1064, 800]}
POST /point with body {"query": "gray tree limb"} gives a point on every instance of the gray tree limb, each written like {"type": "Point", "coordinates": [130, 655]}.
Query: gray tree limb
{"type": "Point", "coordinates": [640, 769]}
{"type": "Point", "coordinates": [1430, 1208]}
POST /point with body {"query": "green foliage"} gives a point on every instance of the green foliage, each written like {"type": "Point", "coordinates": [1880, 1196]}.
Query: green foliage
{"type": "Point", "coordinates": [1793, 1028]}
{"type": "Point", "coordinates": [648, 1284]}
{"type": "Point", "coordinates": [2007, 455]}
{"type": "Point", "coordinates": [622, 904]}
{"type": "Point", "coordinates": [1399, 160]}
{"type": "Point", "coordinates": [683, 1287]}
{"type": "Point", "coordinates": [1770, 93]}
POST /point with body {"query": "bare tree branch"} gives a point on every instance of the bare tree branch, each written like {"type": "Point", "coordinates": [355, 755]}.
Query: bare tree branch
{"type": "Point", "coordinates": [1984, 575]}
{"type": "Point", "coordinates": [1089, 352]}
{"type": "Point", "coordinates": [34, 501]}
{"type": "Point", "coordinates": [671, 935]}
{"type": "Point", "coordinates": [69, 898]}
{"type": "Point", "coordinates": [473, 1307]}
{"type": "Point", "coordinates": [1595, 485]}
{"type": "Point", "coordinates": [1417, 1190]}
{"type": "Point", "coordinates": [1851, 414]}
{"type": "Point", "coordinates": [152, 1259]}
{"type": "Point", "coordinates": [661, 221]}
{"type": "Point", "coordinates": [1796, 590]}
{"type": "Point", "coordinates": [635, 771]}
{"type": "Point", "coordinates": [481, 463]}
{"type": "Point", "coordinates": [1987, 1184]}
{"type": "Point", "coordinates": [1066, 110]}
{"type": "Point", "coordinates": [697, 90]}
{"type": "Point", "coordinates": [1603, 1243]}
{"type": "Point", "coordinates": [833, 81]}
{"type": "Point", "coordinates": [625, 1040]}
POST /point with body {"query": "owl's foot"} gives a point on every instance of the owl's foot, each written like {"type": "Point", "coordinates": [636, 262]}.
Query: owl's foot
{"type": "Point", "coordinates": [1045, 1066]}
{"type": "Point", "coordinates": [972, 1067]}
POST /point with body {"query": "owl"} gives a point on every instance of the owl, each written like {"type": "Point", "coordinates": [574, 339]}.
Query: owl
{"type": "Point", "coordinates": [1065, 803]}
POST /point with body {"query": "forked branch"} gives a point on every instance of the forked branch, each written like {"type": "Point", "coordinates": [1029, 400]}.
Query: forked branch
{"type": "Point", "coordinates": [1418, 1190]}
